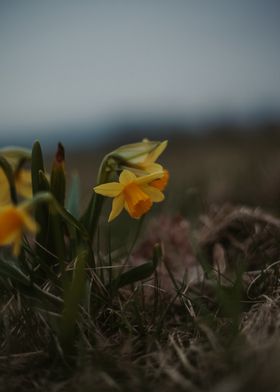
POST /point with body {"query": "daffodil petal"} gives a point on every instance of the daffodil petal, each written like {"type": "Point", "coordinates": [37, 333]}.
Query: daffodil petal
{"type": "Point", "coordinates": [153, 167]}
{"type": "Point", "coordinates": [10, 224]}
{"type": "Point", "coordinates": [126, 177]}
{"type": "Point", "coordinates": [153, 155]}
{"type": "Point", "coordinates": [17, 245]}
{"type": "Point", "coordinates": [29, 222]}
{"type": "Point", "coordinates": [128, 210]}
{"type": "Point", "coordinates": [117, 207]}
{"type": "Point", "coordinates": [149, 178]}
{"type": "Point", "coordinates": [24, 190]}
{"type": "Point", "coordinates": [136, 170]}
{"type": "Point", "coordinates": [3, 177]}
{"type": "Point", "coordinates": [139, 160]}
{"type": "Point", "coordinates": [136, 152]}
{"type": "Point", "coordinates": [13, 220]}
{"type": "Point", "coordinates": [155, 194]}
{"type": "Point", "coordinates": [23, 183]}
{"type": "Point", "coordinates": [5, 198]}
{"type": "Point", "coordinates": [9, 237]}
{"type": "Point", "coordinates": [4, 189]}
{"type": "Point", "coordinates": [111, 189]}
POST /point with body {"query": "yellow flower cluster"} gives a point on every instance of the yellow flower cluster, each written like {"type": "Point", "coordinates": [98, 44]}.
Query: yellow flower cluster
{"type": "Point", "coordinates": [22, 182]}
{"type": "Point", "coordinates": [14, 219]}
{"type": "Point", "coordinates": [140, 184]}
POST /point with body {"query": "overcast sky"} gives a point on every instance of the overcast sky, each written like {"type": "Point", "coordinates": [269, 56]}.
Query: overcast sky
{"type": "Point", "coordinates": [64, 61]}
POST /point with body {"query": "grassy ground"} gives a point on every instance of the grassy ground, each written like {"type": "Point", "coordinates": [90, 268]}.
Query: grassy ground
{"type": "Point", "coordinates": [207, 319]}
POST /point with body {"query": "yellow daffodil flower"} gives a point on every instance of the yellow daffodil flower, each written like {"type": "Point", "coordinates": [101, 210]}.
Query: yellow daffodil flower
{"type": "Point", "coordinates": [135, 194]}
{"type": "Point", "coordinates": [161, 183]}
{"type": "Point", "coordinates": [4, 189]}
{"type": "Point", "coordinates": [23, 185]}
{"type": "Point", "coordinates": [13, 220]}
{"type": "Point", "coordinates": [142, 156]}
{"type": "Point", "coordinates": [148, 161]}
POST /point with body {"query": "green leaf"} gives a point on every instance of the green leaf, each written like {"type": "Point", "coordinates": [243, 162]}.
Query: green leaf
{"type": "Point", "coordinates": [58, 182]}
{"type": "Point", "coordinates": [44, 184]}
{"type": "Point", "coordinates": [72, 299]}
{"type": "Point", "coordinates": [37, 165]}
{"type": "Point", "coordinates": [73, 200]}
{"type": "Point", "coordinates": [138, 273]}
{"type": "Point", "coordinates": [57, 188]}
{"type": "Point", "coordinates": [40, 185]}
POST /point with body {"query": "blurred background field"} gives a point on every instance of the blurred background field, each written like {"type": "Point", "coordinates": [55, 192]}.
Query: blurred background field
{"type": "Point", "coordinates": [95, 75]}
{"type": "Point", "coordinates": [234, 166]}
{"type": "Point", "coordinates": [88, 70]}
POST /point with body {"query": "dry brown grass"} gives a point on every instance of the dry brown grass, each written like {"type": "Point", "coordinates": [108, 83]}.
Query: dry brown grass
{"type": "Point", "coordinates": [210, 317]}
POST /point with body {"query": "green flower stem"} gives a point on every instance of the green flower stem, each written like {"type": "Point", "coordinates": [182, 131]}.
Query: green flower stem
{"type": "Point", "coordinates": [91, 216]}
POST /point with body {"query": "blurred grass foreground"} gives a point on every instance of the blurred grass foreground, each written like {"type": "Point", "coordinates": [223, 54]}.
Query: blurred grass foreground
{"type": "Point", "coordinates": [154, 265]}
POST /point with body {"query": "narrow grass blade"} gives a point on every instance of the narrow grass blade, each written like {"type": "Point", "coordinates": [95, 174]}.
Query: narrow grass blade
{"type": "Point", "coordinates": [57, 188]}
{"type": "Point", "coordinates": [39, 185]}
{"type": "Point", "coordinates": [72, 299]}
{"type": "Point", "coordinates": [138, 273]}
{"type": "Point", "coordinates": [8, 270]}
{"type": "Point", "coordinates": [73, 200]}
{"type": "Point", "coordinates": [37, 165]}
{"type": "Point", "coordinates": [58, 182]}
